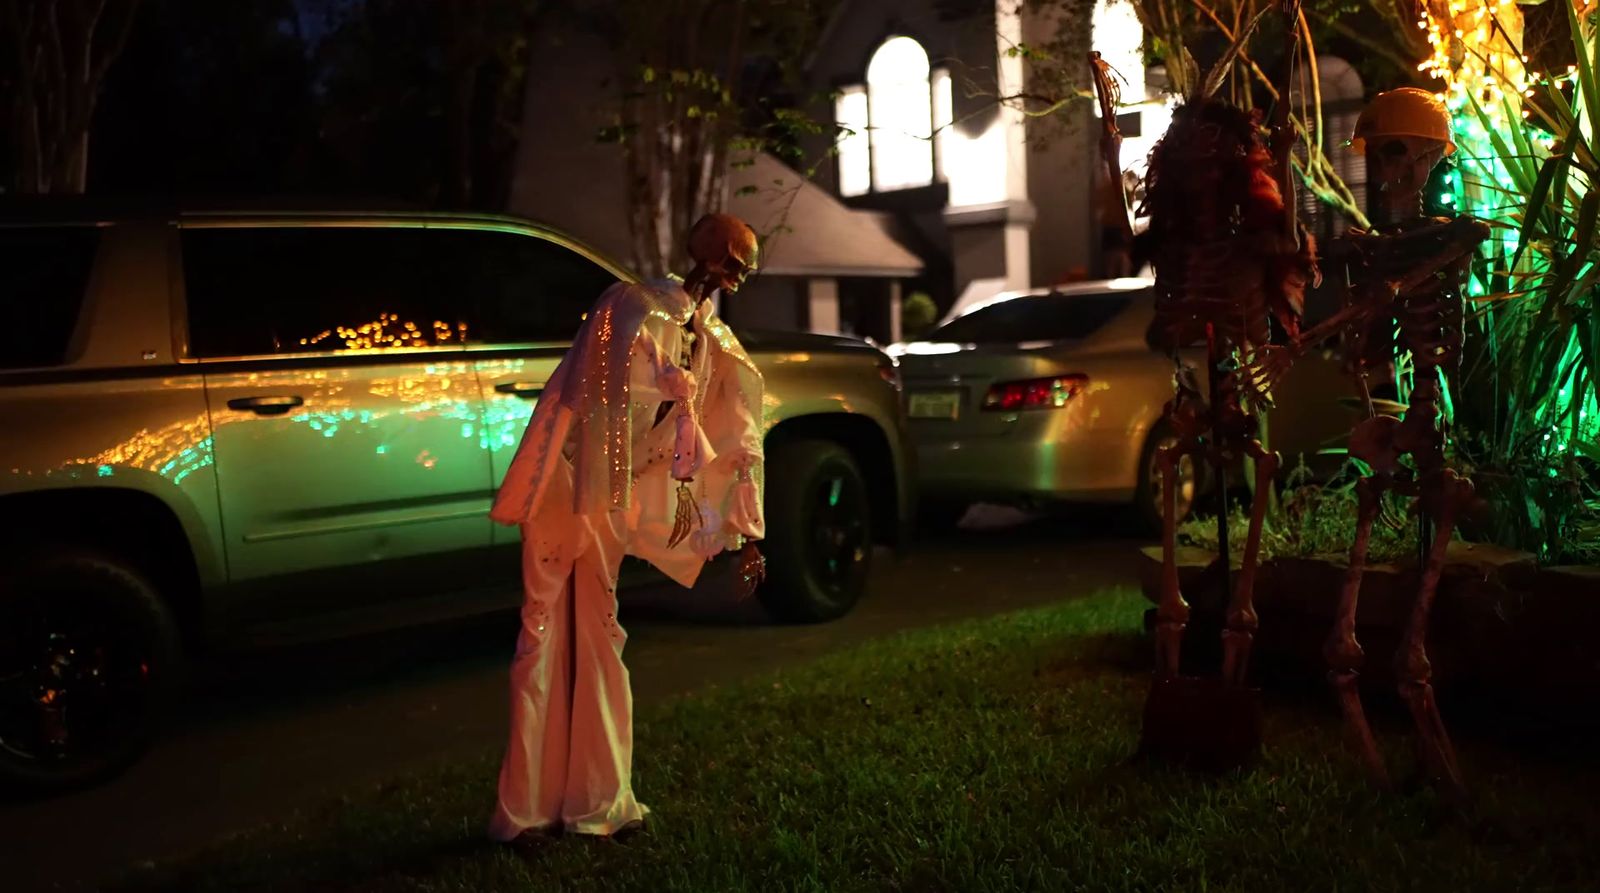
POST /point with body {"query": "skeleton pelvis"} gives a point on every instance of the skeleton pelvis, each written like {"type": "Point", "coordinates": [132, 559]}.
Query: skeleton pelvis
{"type": "Point", "coordinates": [1373, 442]}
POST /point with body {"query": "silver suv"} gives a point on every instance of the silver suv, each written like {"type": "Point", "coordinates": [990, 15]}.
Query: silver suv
{"type": "Point", "coordinates": [246, 428]}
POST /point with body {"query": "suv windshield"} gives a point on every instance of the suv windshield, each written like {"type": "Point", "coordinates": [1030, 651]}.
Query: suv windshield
{"type": "Point", "coordinates": [1051, 317]}
{"type": "Point", "coordinates": [43, 272]}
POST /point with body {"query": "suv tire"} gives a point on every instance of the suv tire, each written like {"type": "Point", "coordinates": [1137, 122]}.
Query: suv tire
{"type": "Point", "coordinates": [820, 550]}
{"type": "Point", "coordinates": [89, 657]}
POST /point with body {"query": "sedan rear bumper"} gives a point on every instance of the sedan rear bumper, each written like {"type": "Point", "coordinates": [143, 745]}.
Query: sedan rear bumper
{"type": "Point", "coordinates": [1083, 466]}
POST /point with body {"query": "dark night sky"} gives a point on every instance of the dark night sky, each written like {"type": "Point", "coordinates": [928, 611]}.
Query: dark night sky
{"type": "Point", "coordinates": [314, 24]}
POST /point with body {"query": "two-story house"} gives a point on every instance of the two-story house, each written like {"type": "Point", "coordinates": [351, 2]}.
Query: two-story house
{"type": "Point", "coordinates": [947, 181]}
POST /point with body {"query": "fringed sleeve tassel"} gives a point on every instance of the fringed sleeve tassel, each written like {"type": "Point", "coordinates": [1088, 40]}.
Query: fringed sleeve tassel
{"type": "Point", "coordinates": [686, 518]}
{"type": "Point", "coordinates": [690, 451]}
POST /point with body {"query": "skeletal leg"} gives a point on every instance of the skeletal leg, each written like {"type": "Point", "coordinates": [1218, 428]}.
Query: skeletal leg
{"type": "Point", "coordinates": [1172, 614]}
{"type": "Point", "coordinates": [1239, 633]}
{"type": "Point", "coordinates": [1414, 671]}
{"type": "Point", "coordinates": [1342, 651]}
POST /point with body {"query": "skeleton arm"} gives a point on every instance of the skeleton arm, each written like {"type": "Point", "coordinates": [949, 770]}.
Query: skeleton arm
{"type": "Point", "coordinates": [1108, 95]}
{"type": "Point", "coordinates": [1391, 265]}
{"type": "Point", "coordinates": [1384, 267]}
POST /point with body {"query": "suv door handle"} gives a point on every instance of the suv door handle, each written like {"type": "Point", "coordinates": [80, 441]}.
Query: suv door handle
{"type": "Point", "coordinates": [277, 405]}
{"type": "Point", "coordinates": [527, 390]}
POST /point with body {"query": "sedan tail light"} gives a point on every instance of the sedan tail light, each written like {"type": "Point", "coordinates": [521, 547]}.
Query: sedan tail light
{"type": "Point", "coordinates": [1034, 393]}
{"type": "Point", "coordinates": [889, 371]}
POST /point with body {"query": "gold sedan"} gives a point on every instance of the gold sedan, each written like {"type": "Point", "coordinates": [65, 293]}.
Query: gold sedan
{"type": "Point", "coordinates": [1055, 396]}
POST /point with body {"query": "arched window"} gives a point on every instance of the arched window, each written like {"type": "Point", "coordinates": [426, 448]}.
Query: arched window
{"type": "Point", "coordinates": [892, 119]}
{"type": "Point", "coordinates": [1342, 91]}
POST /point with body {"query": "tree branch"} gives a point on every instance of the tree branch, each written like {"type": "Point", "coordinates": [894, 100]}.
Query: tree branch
{"type": "Point", "coordinates": [1317, 172]}
{"type": "Point", "coordinates": [1052, 104]}
{"type": "Point", "coordinates": [90, 25]}
{"type": "Point", "coordinates": [53, 31]}
{"type": "Point", "coordinates": [1367, 43]}
{"type": "Point", "coordinates": [120, 41]}
{"type": "Point", "coordinates": [53, 103]}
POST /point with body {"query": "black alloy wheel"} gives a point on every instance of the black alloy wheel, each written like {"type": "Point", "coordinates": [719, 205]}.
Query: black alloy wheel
{"type": "Point", "coordinates": [87, 658]}
{"type": "Point", "coordinates": [819, 545]}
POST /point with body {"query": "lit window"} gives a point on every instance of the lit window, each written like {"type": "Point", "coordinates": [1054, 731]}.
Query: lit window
{"type": "Point", "coordinates": [893, 119]}
{"type": "Point", "coordinates": [855, 159]}
{"type": "Point", "coordinates": [1118, 34]}
{"type": "Point", "coordinates": [900, 108]}
{"type": "Point", "coordinates": [943, 118]}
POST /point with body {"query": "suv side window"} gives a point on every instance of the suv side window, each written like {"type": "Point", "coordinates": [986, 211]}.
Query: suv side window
{"type": "Point", "coordinates": [43, 273]}
{"type": "Point", "coordinates": [294, 289]}
{"type": "Point", "coordinates": [518, 288]}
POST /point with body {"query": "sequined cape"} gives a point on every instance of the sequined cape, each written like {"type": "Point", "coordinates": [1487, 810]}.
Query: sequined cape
{"type": "Point", "coordinates": [587, 402]}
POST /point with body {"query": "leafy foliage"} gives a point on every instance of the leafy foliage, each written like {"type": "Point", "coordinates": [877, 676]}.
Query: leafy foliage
{"type": "Point", "coordinates": [1526, 411]}
{"type": "Point", "coordinates": [701, 85]}
{"type": "Point", "coordinates": [1190, 36]}
{"type": "Point", "coordinates": [1379, 38]}
{"type": "Point", "coordinates": [1056, 89]}
{"type": "Point", "coordinates": [918, 313]}
{"type": "Point", "coordinates": [1314, 519]}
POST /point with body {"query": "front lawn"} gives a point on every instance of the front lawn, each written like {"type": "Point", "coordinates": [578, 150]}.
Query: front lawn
{"type": "Point", "coordinates": [990, 755]}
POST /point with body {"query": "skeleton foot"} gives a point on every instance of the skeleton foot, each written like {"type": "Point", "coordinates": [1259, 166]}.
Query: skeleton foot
{"type": "Point", "coordinates": [1345, 689]}
{"type": "Point", "coordinates": [1436, 755]}
{"type": "Point", "coordinates": [1435, 752]}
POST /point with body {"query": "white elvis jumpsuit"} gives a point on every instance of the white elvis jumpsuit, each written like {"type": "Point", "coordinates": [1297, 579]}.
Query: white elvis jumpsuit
{"type": "Point", "coordinates": [569, 760]}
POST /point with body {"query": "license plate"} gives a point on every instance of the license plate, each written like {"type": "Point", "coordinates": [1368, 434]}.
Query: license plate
{"type": "Point", "coordinates": [934, 405]}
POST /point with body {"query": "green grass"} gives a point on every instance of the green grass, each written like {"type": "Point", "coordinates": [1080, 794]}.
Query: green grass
{"type": "Point", "coordinates": [990, 755]}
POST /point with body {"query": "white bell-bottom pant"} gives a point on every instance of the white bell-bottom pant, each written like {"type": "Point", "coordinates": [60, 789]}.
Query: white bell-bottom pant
{"type": "Point", "coordinates": [569, 762]}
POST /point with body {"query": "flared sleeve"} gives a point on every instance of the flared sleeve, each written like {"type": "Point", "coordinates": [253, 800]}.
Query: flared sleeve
{"type": "Point", "coordinates": [735, 425]}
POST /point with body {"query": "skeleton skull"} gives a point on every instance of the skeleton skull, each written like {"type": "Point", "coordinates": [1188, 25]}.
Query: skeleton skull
{"type": "Point", "coordinates": [1400, 166]}
{"type": "Point", "coordinates": [1404, 134]}
{"type": "Point", "coordinates": [724, 250]}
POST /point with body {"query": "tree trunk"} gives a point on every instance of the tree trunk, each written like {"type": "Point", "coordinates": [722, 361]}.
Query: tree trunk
{"type": "Point", "coordinates": [20, 25]}
{"type": "Point", "coordinates": [72, 163]}
{"type": "Point", "coordinates": [27, 144]}
{"type": "Point", "coordinates": [643, 156]}
{"type": "Point", "coordinates": [59, 66]}
{"type": "Point", "coordinates": [677, 127]}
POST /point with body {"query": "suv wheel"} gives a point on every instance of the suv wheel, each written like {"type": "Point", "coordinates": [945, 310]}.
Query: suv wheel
{"type": "Point", "coordinates": [88, 655]}
{"type": "Point", "coordinates": [1147, 508]}
{"type": "Point", "coordinates": [820, 543]}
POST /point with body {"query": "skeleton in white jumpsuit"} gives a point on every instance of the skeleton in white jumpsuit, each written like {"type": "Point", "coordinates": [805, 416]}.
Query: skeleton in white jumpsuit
{"type": "Point", "coordinates": [588, 485]}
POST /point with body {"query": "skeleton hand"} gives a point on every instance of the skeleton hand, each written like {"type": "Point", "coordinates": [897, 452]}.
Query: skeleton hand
{"type": "Point", "coordinates": [1267, 366]}
{"type": "Point", "coordinates": [750, 572]}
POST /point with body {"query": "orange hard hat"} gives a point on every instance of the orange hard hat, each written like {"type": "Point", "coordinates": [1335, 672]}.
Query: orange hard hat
{"type": "Point", "coordinates": [1407, 111]}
